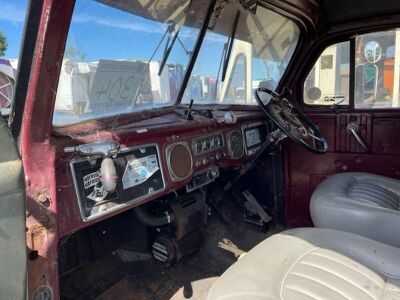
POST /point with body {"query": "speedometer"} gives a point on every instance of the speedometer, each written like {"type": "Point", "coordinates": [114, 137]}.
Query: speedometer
{"type": "Point", "coordinates": [235, 144]}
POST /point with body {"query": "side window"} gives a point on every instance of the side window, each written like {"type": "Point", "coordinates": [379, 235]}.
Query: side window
{"type": "Point", "coordinates": [328, 81]}
{"type": "Point", "coordinates": [377, 71]}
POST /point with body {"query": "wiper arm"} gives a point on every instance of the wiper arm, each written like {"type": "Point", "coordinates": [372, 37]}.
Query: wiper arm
{"type": "Point", "coordinates": [230, 41]}
{"type": "Point", "coordinates": [169, 44]}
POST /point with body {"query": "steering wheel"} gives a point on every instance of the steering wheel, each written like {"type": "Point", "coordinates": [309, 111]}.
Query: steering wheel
{"type": "Point", "coordinates": [291, 121]}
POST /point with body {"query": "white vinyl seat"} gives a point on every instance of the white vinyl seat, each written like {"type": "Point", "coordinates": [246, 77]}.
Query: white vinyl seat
{"type": "Point", "coordinates": [313, 263]}
{"type": "Point", "coordinates": [361, 203]}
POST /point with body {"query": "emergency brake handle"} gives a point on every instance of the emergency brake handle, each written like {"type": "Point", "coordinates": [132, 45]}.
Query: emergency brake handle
{"type": "Point", "coordinates": [107, 150]}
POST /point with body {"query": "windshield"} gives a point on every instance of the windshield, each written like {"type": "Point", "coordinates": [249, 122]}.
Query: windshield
{"type": "Point", "coordinates": [262, 47]}
{"type": "Point", "coordinates": [125, 56]}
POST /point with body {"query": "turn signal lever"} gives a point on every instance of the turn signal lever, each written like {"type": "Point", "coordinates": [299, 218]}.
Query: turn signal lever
{"type": "Point", "coordinates": [107, 150]}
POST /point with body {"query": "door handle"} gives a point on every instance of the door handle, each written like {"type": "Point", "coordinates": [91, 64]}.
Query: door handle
{"type": "Point", "coordinates": [353, 128]}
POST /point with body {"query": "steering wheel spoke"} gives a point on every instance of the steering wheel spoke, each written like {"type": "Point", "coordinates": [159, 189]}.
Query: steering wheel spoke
{"type": "Point", "coordinates": [291, 121]}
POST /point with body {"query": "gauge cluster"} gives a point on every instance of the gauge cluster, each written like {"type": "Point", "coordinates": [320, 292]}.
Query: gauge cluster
{"type": "Point", "coordinates": [208, 143]}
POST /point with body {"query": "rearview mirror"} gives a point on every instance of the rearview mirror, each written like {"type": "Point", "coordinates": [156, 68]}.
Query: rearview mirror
{"type": "Point", "coordinates": [372, 52]}
{"type": "Point", "coordinates": [249, 5]}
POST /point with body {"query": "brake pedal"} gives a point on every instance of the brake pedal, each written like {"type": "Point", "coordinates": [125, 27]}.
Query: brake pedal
{"type": "Point", "coordinates": [260, 211]}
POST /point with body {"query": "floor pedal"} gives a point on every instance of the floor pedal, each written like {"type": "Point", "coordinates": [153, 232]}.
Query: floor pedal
{"type": "Point", "coordinates": [255, 208]}
{"type": "Point", "coordinates": [227, 245]}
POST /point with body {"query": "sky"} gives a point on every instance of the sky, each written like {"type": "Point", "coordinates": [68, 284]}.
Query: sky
{"type": "Point", "coordinates": [100, 32]}
{"type": "Point", "coordinates": [12, 19]}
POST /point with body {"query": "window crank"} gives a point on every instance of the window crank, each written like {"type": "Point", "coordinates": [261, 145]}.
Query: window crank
{"type": "Point", "coordinates": [353, 128]}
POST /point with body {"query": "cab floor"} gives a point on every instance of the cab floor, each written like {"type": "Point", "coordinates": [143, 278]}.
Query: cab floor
{"type": "Point", "coordinates": [191, 278]}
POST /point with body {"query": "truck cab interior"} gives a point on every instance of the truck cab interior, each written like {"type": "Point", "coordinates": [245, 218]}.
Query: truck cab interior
{"type": "Point", "coordinates": [208, 149]}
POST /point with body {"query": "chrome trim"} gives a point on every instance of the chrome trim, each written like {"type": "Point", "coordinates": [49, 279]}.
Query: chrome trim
{"type": "Point", "coordinates": [228, 137]}
{"type": "Point", "coordinates": [136, 201]}
{"type": "Point", "coordinates": [244, 127]}
{"type": "Point", "coordinates": [168, 154]}
{"type": "Point", "coordinates": [214, 167]}
{"type": "Point", "coordinates": [209, 150]}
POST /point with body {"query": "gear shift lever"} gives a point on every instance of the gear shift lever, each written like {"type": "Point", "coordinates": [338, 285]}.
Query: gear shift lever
{"type": "Point", "coordinates": [106, 149]}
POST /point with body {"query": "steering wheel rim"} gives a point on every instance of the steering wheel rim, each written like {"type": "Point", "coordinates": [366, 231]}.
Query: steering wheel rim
{"type": "Point", "coordinates": [297, 126]}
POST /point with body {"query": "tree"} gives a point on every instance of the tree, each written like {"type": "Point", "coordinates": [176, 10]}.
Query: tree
{"type": "Point", "coordinates": [3, 44]}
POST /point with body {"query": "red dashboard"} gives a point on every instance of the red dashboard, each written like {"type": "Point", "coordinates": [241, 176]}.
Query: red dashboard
{"type": "Point", "coordinates": [186, 149]}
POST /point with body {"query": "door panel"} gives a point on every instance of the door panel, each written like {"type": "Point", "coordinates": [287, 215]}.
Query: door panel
{"type": "Point", "coordinates": [305, 170]}
{"type": "Point", "coordinates": [12, 219]}
{"type": "Point", "coordinates": [386, 133]}
{"type": "Point", "coordinates": [347, 142]}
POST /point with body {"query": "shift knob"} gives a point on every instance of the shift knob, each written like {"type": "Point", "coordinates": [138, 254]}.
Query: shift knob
{"type": "Point", "coordinates": [108, 175]}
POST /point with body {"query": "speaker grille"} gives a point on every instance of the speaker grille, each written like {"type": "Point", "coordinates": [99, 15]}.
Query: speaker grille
{"type": "Point", "coordinates": [180, 161]}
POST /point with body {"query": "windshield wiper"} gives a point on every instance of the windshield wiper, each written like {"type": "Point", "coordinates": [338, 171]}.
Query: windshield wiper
{"type": "Point", "coordinates": [169, 44]}
{"type": "Point", "coordinates": [230, 42]}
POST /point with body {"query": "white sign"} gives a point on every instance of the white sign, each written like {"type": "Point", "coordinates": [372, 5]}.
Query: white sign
{"type": "Point", "coordinates": [138, 170]}
{"type": "Point", "coordinates": [116, 84]}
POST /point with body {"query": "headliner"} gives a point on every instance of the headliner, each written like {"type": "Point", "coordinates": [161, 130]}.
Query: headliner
{"type": "Point", "coordinates": [335, 12]}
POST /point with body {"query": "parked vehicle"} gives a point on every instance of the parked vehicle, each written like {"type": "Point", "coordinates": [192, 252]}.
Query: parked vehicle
{"type": "Point", "coordinates": [177, 149]}
{"type": "Point", "coordinates": [7, 82]}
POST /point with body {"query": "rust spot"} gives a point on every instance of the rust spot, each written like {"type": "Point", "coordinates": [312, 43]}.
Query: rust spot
{"type": "Point", "coordinates": [38, 237]}
{"type": "Point", "coordinates": [43, 199]}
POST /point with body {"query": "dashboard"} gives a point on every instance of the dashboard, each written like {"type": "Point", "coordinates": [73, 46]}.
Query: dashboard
{"type": "Point", "coordinates": [158, 156]}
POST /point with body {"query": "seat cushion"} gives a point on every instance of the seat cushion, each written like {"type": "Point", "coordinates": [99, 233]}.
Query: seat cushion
{"type": "Point", "coordinates": [313, 263]}
{"type": "Point", "coordinates": [361, 203]}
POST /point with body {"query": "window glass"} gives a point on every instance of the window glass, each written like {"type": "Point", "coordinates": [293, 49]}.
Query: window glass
{"type": "Point", "coordinates": [125, 56]}
{"type": "Point", "coordinates": [261, 50]}
{"type": "Point", "coordinates": [12, 18]}
{"type": "Point", "coordinates": [236, 87]}
{"type": "Point", "coordinates": [328, 81]}
{"type": "Point", "coordinates": [377, 71]}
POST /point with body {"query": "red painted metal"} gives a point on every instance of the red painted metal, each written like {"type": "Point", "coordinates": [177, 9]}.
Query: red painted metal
{"type": "Point", "coordinates": [37, 151]}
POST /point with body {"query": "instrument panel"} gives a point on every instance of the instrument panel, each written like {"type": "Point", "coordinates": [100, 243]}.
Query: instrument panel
{"type": "Point", "coordinates": [160, 160]}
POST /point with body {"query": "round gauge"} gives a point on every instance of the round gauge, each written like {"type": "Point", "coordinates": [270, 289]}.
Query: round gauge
{"type": "Point", "coordinates": [215, 141]}
{"type": "Point", "coordinates": [235, 144]}
{"type": "Point", "coordinates": [199, 146]}
{"type": "Point", "coordinates": [206, 144]}
{"type": "Point", "coordinates": [220, 140]}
